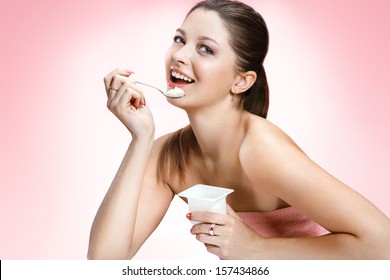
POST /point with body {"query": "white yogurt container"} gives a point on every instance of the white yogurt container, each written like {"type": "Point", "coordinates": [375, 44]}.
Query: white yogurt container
{"type": "Point", "coordinates": [206, 198]}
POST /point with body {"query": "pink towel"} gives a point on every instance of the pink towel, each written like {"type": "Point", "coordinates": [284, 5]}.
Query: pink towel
{"type": "Point", "coordinates": [285, 222]}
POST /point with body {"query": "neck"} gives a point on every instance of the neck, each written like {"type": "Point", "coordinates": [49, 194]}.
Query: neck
{"type": "Point", "coordinates": [218, 131]}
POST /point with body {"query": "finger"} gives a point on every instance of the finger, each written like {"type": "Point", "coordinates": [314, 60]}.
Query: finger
{"type": "Point", "coordinates": [111, 94]}
{"type": "Point", "coordinates": [108, 78]}
{"type": "Point", "coordinates": [136, 96]}
{"type": "Point", "coordinates": [111, 75]}
{"type": "Point", "coordinates": [208, 217]}
{"type": "Point", "coordinates": [136, 100]}
{"type": "Point", "coordinates": [115, 97]}
{"type": "Point", "coordinates": [120, 83]}
{"type": "Point", "coordinates": [215, 250]}
{"type": "Point", "coordinates": [207, 239]}
{"type": "Point", "coordinates": [143, 101]}
{"type": "Point", "coordinates": [124, 84]}
{"type": "Point", "coordinates": [117, 81]}
{"type": "Point", "coordinates": [231, 212]}
{"type": "Point", "coordinates": [211, 229]}
{"type": "Point", "coordinates": [124, 99]}
{"type": "Point", "coordinates": [115, 94]}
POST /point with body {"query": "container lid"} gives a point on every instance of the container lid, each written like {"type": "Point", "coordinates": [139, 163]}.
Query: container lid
{"type": "Point", "coordinates": [205, 192]}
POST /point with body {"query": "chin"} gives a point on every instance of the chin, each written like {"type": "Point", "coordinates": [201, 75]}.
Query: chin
{"type": "Point", "coordinates": [178, 102]}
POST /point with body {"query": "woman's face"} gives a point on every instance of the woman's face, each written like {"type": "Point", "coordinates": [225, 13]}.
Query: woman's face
{"type": "Point", "coordinates": [201, 61]}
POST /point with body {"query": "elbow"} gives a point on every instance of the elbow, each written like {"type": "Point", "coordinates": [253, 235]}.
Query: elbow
{"type": "Point", "coordinates": [91, 256]}
{"type": "Point", "coordinates": [377, 243]}
{"type": "Point", "coordinates": [96, 254]}
{"type": "Point", "coordinates": [385, 244]}
{"type": "Point", "coordinates": [103, 256]}
{"type": "Point", "coordinates": [382, 251]}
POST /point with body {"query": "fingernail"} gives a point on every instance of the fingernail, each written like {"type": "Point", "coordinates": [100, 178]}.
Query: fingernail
{"type": "Point", "coordinates": [189, 216]}
{"type": "Point", "coordinates": [128, 71]}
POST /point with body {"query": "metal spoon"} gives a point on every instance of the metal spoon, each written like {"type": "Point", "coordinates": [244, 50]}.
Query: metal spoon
{"type": "Point", "coordinates": [163, 93]}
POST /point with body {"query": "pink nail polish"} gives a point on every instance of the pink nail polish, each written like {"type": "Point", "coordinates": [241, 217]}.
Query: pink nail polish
{"type": "Point", "coordinates": [130, 72]}
{"type": "Point", "coordinates": [189, 216]}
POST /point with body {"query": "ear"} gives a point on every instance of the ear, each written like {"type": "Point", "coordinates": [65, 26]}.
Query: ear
{"type": "Point", "coordinates": [243, 82]}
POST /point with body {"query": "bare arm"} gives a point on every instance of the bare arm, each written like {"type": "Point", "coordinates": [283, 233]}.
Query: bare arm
{"type": "Point", "coordinates": [135, 202]}
{"type": "Point", "coordinates": [358, 229]}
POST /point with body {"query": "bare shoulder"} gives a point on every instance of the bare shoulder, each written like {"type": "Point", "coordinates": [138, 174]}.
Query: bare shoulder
{"type": "Point", "coordinates": [159, 143]}
{"type": "Point", "coordinates": [263, 137]}
{"type": "Point", "coordinates": [266, 147]}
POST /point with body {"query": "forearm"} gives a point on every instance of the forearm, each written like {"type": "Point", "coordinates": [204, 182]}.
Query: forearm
{"type": "Point", "coordinates": [330, 246]}
{"type": "Point", "coordinates": [114, 224]}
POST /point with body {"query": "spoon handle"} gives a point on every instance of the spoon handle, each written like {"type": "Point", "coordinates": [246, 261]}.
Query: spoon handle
{"type": "Point", "coordinates": [141, 83]}
{"type": "Point", "coordinates": [163, 93]}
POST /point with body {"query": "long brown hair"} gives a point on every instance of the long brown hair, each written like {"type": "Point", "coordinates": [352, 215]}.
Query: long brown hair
{"type": "Point", "coordinates": [249, 39]}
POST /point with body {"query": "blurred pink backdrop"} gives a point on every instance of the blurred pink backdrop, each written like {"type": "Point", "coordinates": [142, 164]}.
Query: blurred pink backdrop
{"type": "Point", "coordinates": [328, 70]}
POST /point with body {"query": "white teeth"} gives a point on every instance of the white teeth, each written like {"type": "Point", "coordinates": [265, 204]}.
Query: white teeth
{"type": "Point", "coordinates": [180, 76]}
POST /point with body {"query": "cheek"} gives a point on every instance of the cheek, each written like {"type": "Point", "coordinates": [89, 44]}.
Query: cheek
{"type": "Point", "coordinates": [222, 68]}
{"type": "Point", "coordinates": [220, 76]}
{"type": "Point", "coordinates": [168, 57]}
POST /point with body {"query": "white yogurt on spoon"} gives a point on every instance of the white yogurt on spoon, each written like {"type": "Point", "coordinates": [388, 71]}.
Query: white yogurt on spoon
{"type": "Point", "coordinates": [175, 92]}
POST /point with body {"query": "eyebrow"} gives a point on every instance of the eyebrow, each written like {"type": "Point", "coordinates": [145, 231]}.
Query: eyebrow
{"type": "Point", "coordinates": [202, 38]}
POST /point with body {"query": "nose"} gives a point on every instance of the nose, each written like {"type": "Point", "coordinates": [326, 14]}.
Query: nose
{"type": "Point", "coordinates": [182, 55]}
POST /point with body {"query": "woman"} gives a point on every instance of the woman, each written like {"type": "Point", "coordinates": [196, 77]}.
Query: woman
{"type": "Point", "coordinates": [284, 205]}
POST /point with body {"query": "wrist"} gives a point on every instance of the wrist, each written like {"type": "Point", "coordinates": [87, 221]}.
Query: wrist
{"type": "Point", "coordinates": [257, 250]}
{"type": "Point", "coordinates": [140, 149]}
{"type": "Point", "coordinates": [142, 143]}
{"type": "Point", "coordinates": [143, 137]}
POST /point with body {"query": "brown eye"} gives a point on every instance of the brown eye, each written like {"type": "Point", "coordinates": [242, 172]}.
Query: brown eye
{"type": "Point", "coordinates": [179, 40]}
{"type": "Point", "coordinates": [206, 49]}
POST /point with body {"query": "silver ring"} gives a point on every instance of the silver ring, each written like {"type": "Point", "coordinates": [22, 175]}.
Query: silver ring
{"type": "Point", "coordinates": [211, 229]}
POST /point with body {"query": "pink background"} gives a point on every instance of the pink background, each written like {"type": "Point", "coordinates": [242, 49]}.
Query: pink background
{"type": "Point", "coordinates": [328, 70]}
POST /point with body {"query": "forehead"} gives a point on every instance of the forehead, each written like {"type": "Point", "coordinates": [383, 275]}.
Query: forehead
{"type": "Point", "coordinates": [202, 22]}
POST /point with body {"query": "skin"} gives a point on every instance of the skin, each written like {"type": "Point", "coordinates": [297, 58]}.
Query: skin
{"type": "Point", "coordinates": [251, 158]}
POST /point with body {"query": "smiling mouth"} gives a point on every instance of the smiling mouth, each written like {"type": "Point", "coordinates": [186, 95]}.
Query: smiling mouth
{"type": "Point", "coordinates": [180, 78]}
